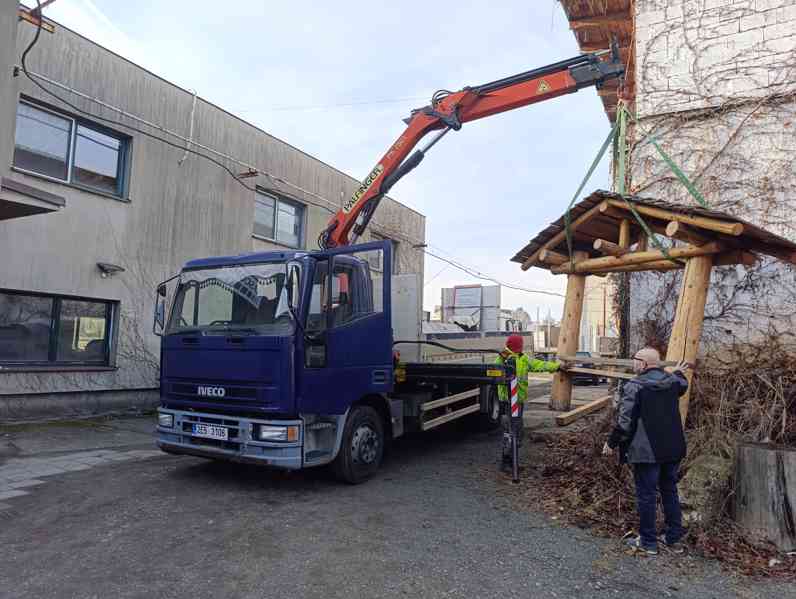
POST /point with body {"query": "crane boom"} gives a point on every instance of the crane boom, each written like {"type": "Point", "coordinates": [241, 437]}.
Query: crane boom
{"type": "Point", "coordinates": [450, 110]}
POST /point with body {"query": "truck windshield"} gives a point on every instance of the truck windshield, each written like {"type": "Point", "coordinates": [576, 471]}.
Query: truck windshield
{"type": "Point", "coordinates": [253, 298]}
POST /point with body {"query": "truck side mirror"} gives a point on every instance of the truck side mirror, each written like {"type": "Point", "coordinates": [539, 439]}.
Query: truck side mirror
{"type": "Point", "coordinates": [159, 323]}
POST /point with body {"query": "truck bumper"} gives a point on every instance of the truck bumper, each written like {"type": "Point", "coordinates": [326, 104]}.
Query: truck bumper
{"type": "Point", "coordinates": [240, 447]}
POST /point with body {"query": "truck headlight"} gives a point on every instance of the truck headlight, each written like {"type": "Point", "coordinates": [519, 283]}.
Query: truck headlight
{"type": "Point", "coordinates": [265, 432]}
{"type": "Point", "coordinates": [165, 420]}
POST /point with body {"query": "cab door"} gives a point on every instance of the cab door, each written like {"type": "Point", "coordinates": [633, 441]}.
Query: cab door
{"type": "Point", "coordinates": [347, 351]}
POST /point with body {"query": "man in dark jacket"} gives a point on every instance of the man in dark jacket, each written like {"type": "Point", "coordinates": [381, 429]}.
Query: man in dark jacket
{"type": "Point", "coordinates": [649, 433]}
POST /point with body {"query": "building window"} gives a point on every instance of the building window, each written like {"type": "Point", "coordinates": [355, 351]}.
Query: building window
{"type": "Point", "coordinates": [278, 219]}
{"type": "Point", "coordinates": [69, 149]}
{"type": "Point", "coordinates": [376, 260]}
{"type": "Point", "coordinates": [47, 330]}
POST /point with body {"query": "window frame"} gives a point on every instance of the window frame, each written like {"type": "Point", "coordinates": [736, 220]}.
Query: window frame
{"type": "Point", "coordinates": [53, 363]}
{"type": "Point", "coordinates": [393, 246]}
{"type": "Point", "coordinates": [123, 163]}
{"type": "Point", "coordinates": [277, 199]}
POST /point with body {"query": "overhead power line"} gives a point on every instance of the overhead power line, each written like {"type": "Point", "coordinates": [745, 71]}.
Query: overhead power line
{"type": "Point", "coordinates": [473, 272]}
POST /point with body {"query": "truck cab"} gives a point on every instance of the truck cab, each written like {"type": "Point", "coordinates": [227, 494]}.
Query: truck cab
{"type": "Point", "coordinates": [286, 359]}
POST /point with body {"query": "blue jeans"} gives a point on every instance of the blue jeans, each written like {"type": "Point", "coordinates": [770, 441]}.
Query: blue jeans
{"type": "Point", "coordinates": [649, 478]}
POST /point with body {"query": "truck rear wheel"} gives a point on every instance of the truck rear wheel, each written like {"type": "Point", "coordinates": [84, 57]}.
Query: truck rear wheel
{"type": "Point", "coordinates": [490, 420]}
{"type": "Point", "coordinates": [362, 447]}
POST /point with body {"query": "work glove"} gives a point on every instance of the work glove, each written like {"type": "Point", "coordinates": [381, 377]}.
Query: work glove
{"type": "Point", "coordinates": [607, 450]}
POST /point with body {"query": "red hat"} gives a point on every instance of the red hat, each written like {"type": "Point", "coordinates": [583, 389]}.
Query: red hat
{"type": "Point", "coordinates": [514, 343]}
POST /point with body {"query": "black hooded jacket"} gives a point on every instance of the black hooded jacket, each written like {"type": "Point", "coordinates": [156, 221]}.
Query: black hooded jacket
{"type": "Point", "coordinates": [648, 428]}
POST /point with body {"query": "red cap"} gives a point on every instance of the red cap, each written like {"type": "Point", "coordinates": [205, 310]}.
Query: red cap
{"type": "Point", "coordinates": [514, 343]}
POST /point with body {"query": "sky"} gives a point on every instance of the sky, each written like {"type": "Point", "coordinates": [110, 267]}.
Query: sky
{"type": "Point", "coordinates": [335, 79]}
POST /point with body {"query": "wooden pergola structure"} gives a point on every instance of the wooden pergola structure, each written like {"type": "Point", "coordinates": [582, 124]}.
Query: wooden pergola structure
{"type": "Point", "coordinates": [608, 238]}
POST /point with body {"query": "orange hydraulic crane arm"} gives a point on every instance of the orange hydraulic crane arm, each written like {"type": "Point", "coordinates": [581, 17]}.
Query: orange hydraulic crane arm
{"type": "Point", "coordinates": [449, 110]}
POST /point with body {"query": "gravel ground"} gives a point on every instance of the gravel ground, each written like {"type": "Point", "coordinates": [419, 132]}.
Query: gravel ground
{"type": "Point", "coordinates": [436, 522]}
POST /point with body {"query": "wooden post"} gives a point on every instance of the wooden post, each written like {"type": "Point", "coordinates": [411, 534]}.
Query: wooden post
{"type": "Point", "coordinates": [624, 233]}
{"type": "Point", "coordinates": [561, 394]}
{"type": "Point", "coordinates": [687, 327]}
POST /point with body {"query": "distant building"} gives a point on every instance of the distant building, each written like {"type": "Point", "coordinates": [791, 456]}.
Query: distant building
{"type": "Point", "coordinates": [473, 307]}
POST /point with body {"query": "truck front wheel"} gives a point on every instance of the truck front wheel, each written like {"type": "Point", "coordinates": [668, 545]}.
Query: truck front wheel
{"type": "Point", "coordinates": [362, 446]}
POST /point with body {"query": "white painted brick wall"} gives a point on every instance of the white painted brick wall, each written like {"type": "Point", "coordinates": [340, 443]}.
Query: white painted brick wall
{"type": "Point", "coordinates": [700, 53]}
{"type": "Point", "coordinates": [716, 83]}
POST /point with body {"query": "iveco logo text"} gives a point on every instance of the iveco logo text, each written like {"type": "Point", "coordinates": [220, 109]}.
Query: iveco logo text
{"type": "Point", "coordinates": [211, 391]}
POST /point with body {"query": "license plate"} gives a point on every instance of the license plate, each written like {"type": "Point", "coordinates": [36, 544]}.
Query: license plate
{"type": "Point", "coordinates": [210, 431]}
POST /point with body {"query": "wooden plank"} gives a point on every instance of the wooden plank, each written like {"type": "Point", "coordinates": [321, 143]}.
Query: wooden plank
{"type": "Point", "coordinates": [443, 401]}
{"type": "Point", "coordinates": [688, 319]}
{"type": "Point", "coordinates": [608, 248]}
{"type": "Point", "coordinates": [611, 374]}
{"type": "Point", "coordinates": [632, 258]}
{"type": "Point", "coordinates": [591, 407]}
{"type": "Point", "coordinates": [559, 237]}
{"type": "Point", "coordinates": [610, 19]}
{"type": "Point", "coordinates": [701, 222]}
{"type": "Point", "coordinates": [569, 335]}
{"type": "Point", "coordinates": [448, 417]}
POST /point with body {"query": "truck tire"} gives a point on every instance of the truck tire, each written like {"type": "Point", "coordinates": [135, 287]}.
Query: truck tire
{"type": "Point", "coordinates": [490, 420]}
{"type": "Point", "coordinates": [362, 446]}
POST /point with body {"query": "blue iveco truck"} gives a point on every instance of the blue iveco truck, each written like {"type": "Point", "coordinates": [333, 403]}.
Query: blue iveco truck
{"type": "Point", "coordinates": [287, 359]}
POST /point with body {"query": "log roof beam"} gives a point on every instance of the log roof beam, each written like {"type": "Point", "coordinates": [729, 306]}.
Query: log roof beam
{"type": "Point", "coordinates": [610, 263]}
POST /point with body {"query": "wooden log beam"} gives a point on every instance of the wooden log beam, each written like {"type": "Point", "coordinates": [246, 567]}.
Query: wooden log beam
{"type": "Point", "coordinates": [678, 230]}
{"type": "Point", "coordinates": [611, 374]}
{"type": "Point", "coordinates": [559, 237]}
{"type": "Point", "coordinates": [736, 257]}
{"type": "Point", "coordinates": [624, 233]}
{"type": "Point", "coordinates": [615, 18]}
{"type": "Point", "coordinates": [689, 317]}
{"type": "Point", "coordinates": [34, 19]}
{"type": "Point", "coordinates": [569, 335]}
{"type": "Point", "coordinates": [589, 408]}
{"type": "Point", "coordinates": [624, 362]}
{"type": "Point", "coordinates": [786, 255]}
{"type": "Point", "coordinates": [701, 222]}
{"type": "Point", "coordinates": [633, 258]}
{"type": "Point", "coordinates": [657, 265]}
{"type": "Point", "coordinates": [551, 257]}
{"type": "Point", "coordinates": [606, 210]}
{"type": "Point", "coordinates": [608, 248]}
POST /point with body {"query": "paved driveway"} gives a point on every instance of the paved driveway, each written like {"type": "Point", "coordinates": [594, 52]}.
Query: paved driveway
{"type": "Point", "coordinates": [122, 521]}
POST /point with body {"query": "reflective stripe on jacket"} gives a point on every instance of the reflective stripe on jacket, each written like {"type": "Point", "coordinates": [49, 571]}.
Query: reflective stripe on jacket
{"type": "Point", "coordinates": [523, 365]}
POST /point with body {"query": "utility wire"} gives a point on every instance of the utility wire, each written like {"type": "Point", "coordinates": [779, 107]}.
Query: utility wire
{"type": "Point", "coordinates": [485, 277]}
{"type": "Point", "coordinates": [340, 105]}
